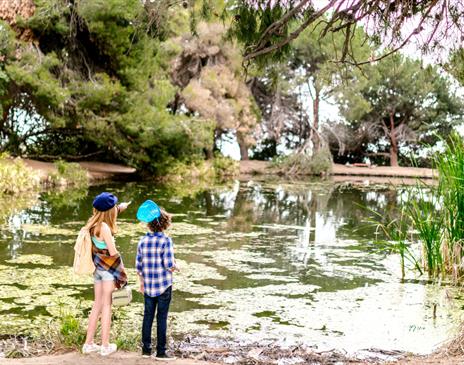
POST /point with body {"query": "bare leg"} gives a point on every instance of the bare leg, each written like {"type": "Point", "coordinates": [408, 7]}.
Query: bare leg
{"type": "Point", "coordinates": [108, 288]}
{"type": "Point", "coordinates": [95, 313]}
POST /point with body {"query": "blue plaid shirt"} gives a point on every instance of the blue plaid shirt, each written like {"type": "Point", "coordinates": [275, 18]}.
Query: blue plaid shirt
{"type": "Point", "coordinates": [155, 256]}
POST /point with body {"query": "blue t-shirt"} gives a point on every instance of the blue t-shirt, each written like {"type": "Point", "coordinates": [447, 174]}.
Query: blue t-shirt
{"type": "Point", "coordinates": [101, 245]}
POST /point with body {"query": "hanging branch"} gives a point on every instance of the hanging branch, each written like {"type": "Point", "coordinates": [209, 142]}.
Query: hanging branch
{"type": "Point", "coordinates": [383, 18]}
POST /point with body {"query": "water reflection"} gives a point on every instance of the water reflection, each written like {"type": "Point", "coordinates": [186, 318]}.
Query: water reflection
{"type": "Point", "coordinates": [260, 260]}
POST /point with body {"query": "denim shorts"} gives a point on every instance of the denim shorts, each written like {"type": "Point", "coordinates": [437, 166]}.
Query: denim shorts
{"type": "Point", "coordinates": [102, 275]}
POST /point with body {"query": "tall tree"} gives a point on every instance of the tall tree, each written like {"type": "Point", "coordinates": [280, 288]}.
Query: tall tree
{"type": "Point", "coordinates": [316, 72]}
{"type": "Point", "coordinates": [455, 66]}
{"type": "Point", "coordinates": [97, 74]}
{"type": "Point", "coordinates": [399, 101]}
{"type": "Point", "coordinates": [208, 71]}
{"type": "Point", "coordinates": [284, 118]}
{"type": "Point", "coordinates": [290, 93]}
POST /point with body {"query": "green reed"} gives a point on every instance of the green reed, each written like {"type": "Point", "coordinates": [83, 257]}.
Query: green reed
{"type": "Point", "coordinates": [433, 216]}
{"type": "Point", "coordinates": [393, 227]}
{"type": "Point", "coordinates": [450, 166]}
{"type": "Point", "coordinates": [422, 208]}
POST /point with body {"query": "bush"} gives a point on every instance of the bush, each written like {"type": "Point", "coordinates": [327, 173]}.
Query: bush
{"type": "Point", "coordinates": [225, 166]}
{"type": "Point", "coordinates": [183, 171]}
{"type": "Point", "coordinates": [71, 330]}
{"type": "Point", "coordinates": [16, 177]}
{"type": "Point", "coordinates": [321, 162]}
{"type": "Point", "coordinates": [200, 170]}
{"type": "Point", "coordinates": [301, 164]}
{"type": "Point", "coordinates": [70, 174]}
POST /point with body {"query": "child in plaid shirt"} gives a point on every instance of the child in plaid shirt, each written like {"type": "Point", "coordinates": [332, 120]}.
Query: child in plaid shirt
{"type": "Point", "coordinates": [155, 264]}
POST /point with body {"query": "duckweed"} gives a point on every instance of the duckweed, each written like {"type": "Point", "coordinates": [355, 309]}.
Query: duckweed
{"type": "Point", "coordinates": [258, 263]}
{"type": "Point", "coordinates": [47, 230]}
{"type": "Point", "coordinates": [32, 259]}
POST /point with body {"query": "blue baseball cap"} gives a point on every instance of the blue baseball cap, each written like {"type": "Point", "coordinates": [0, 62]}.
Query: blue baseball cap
{"type": "Point", "coordinates": [104, 201]}
{"type": "Point", "coordinates": [148, 211]}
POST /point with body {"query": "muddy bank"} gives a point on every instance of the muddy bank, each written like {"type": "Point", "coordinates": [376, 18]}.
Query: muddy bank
{"type": "Point", "coordinates": [386, 171]}
{"type": "Point", "coordinates": [379, 174]}
{"type": "Point", "coordinates": [75, 358]}
{"type": "Point", "coordinates": [192, 350]}
{"type": "Point", "coordinates": [199, 352]}
{"type": "Point", "coordinates": [96, 170]}
{"type": "Point", "coordinates": [340, 172]}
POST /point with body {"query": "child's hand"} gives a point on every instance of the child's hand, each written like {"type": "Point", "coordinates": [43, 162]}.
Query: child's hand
{"type": "Point", "coordinates": [123, 206]}
{"type": "Point", "coordinates": [174, 268]}
{"type": "Point", "coordinates": [141, 288]}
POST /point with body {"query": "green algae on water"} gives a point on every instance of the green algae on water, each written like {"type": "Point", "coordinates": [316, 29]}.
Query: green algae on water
{"type": "Point", "coordinates": [47, 230]}
{"type": "Point", "coordinates": [32, 259]}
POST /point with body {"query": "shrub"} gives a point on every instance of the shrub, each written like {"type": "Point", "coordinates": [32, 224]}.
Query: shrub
{"type": "Point", "coordinates": [177, 171]}
{"type": "Point", "coordinates": [225, 166]}
{"type": "Point", "coordinates": [200, 170]}
{"type": "Point", "coordinates": [69, 173]}
{"type": "Point", "coordinates": [301, 164]}
{"type": "Point", "coordinates": [71, 331]}
{"type": "Point", "coordinates": [16, 177]}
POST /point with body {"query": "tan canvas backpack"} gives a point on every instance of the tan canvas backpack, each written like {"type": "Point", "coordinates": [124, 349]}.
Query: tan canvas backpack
{"type": "Point", "coordinates": [83, 262]}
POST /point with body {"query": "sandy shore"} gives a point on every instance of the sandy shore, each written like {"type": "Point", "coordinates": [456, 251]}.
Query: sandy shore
{"type": "Point", "coordinates": [96, 170]}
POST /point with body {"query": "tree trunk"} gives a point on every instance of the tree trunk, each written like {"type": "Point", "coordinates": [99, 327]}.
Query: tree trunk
{"type": "Point", "coordinates": [5, 113]}
{"type": "Point", "coordinates": [209, 153]}
{"type": "Point", "coordinates": [3, 124]}
{"type": "Point", "coordinates": [243, 147]}
{"type": "Point", "coordinates": [315, 128]}
{"type": "Point", "coordinates": [393, 143]}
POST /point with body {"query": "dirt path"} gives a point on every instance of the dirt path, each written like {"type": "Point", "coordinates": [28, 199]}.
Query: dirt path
{"type": "Point", "coordinates": [119, 358]}
{"type": "Point", "coordinates": [131, 358]}
{"type": "Point", "coordinates": [96, 170]}
{"type": "Point", "coordinates": [252, 167]}
{"type": "Point", "coordinates": [380, 174]}
{"type": "Point", "coordinates": [383, 171]}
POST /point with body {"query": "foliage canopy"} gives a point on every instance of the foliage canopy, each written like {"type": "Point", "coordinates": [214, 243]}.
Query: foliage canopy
{"type": "Point", "coordinates": [94, 75]}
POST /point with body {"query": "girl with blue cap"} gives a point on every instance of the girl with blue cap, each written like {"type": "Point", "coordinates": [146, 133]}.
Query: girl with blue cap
{"type": "Point", "coordinates": [109, 269]}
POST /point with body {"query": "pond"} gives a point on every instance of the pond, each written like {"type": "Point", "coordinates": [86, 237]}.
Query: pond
{"type": "Point", "coordinates": [260, 261]}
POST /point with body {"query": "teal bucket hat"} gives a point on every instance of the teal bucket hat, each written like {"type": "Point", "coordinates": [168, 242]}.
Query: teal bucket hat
{"type": "Point", "coordinates": [148, 211]}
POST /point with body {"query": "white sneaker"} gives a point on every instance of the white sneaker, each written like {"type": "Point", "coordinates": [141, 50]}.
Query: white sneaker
{"type": "Point", "coordinates": [108, 350]}
{"type": "Point", "coordinates": [87, 349]}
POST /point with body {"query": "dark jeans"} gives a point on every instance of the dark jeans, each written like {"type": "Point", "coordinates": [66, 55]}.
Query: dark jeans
{"type": "Point", "coordinates": [162, 301]}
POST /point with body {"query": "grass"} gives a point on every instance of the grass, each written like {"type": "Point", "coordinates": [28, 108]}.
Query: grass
{"type": "Point", "coordinates": [72, 332]}
{"type": "Point", "coordinates": [225, 167]}
{"type": "Point", "coordinates": [422, 209]}
{"type": "Point", "coordinates": [436, 216]}
{"type": "Point", "coordinates": [450, 166]}
{"type": "Point", "coordinates": [69, 174]}
{"type": "Point", "coordinates": [16, 177]}
{"type": "Point", "coordinates": [301, 164]}
{"type": "Point", "coordinates": [199, 171]}
{"type": "Point", "coordinates": [396, 237]}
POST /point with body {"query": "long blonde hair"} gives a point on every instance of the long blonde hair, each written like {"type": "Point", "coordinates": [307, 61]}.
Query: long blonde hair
{"type": "Point", "coordinates": [94, 224]}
